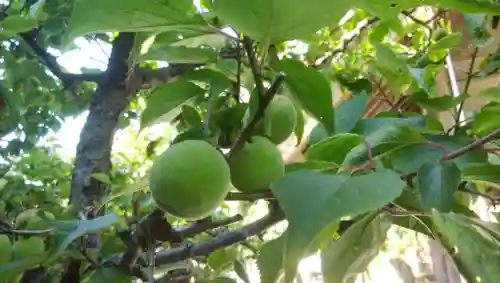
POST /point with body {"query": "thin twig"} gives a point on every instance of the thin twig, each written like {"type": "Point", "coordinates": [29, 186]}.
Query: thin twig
{"type": "Point", "coordinates": [494, 199]}
{"type": "Point", "coordinates": [440, 146]}
{"type": "Point", "coordinates": [26, 232]}
{"type": "Point", "coordinates": [397, 212]}
{"type": "Point", "coordinates": [222, 240]}
{"type": "Point", "coordinates": [259, 114]}
{"type": "Point", "coordinates": [249, 196]}
{"type": "Point", "coordinates": [51, 63]}
{"type": "Point", "coordinates": [100, 47]}
{"type": "Point", "coordinates": [206, 224]}
{"type": "Point", "coordinates": [415, 19]}
{"type": "Point", "coordinates": [238, 73]}
{"type": "Point", "coordinates": [467, 85]}
{"type": "Point", "coordinates": [341, 48]}
{"type": "Point", "coordinates": [253, 61]}
{"type": "Point", "coordinates": [476, 144]}
{"type": "Point", "coordinates": [370, 154]}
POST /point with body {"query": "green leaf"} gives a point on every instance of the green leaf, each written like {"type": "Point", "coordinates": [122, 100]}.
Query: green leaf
{"type": "Point", "coordinates": [273, 21]}
{"type": "Point", "coordinates": [95, 16]}
{"type": "Point", "coordinates": [270, 260]}
{"type": "Point", "coordinates": [422, 152]}
{"type": "Point", "coordinates": [126, 190]}
{"type": "Point", "coordinates": [313, 165]}
{"type": "Point", "coordinates": [348, 113]}
{"type": "Point", "coordinates": [191, 116]}
{"type": "Point", "coordinates": [219, 280]}
{"type": "Point", "coordinates": [190, 38]}
{"type": "Point", "coordinates": [318, 134]}
{"type": "Point", "coordinates": [3, 183]}
{"type": "Point", "coordinates": [448, 42]}
{"type": "Point", "coordinates": [437, 182]}
{"type": "Point", "coordinates": [81, 228]}
{"type": "Point", "coordinates": [18, 24]}
{"type": "Point", "coordinates": [180, 55]}
{"type": "Point", "coordinates": [356, 248]}
{"type": "Point", "coordinates": [378, 33]}
{"type": "Point", "coordinates": [240, 270]}
{"type": "Point", "coordinates": [14, 268]}
{"type": "Point", "coordinates": [366, 126]}
{"type": "Point", "coordinates": [441, 103]}
{"type": "Point", "coordinates": [300, 125]}
{"type": "Point", "coordinates": [329, 198]}
{"type": "Point", "coordinates": [333, 149]}
{"type": "Point", "coordinates": [388, 59]}
{"type": "Point", "coordinates": [167, 98]}
{"type": "Point", "coordinates": [102, 177]}
{"type": "Point", "coordinates": [475, 251]}
{"type": "Point", "coordinates": [388, 8]}
{"type": "Point", "coordinates": [482, 173]}
{"type": "Point", "coordinates": [110, 274]}
{"type": "Point", "coordinates": [490, 94]}
{"type": "Point", "coordinates": [311, 89]}
{"type": "Point", "coordinates": [473, 23]}
{"type": "Point", "coordinates": [393, 67]}
{"type": "Point", "coordinates": [386, 139]}
{"type": "Point", "coordinates": [487, 120]}
{"type": "Point", "coordinates": [217, 80]}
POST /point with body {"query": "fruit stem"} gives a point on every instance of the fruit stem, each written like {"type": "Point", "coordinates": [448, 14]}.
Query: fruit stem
{"type": "Point", "coordinates": [252, 59]}
{"type": "Point", "coordinates": [259, 114]}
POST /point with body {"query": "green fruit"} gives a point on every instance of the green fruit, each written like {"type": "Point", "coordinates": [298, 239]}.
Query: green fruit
{"type": "Point", "coordinates": [190, 179]}
{"type": "Point", "coordinates": [110, 275]}
{"type": "Point", "coordinates": [439, 33]}
{"type": "Point", "coordinates": [36, 223]}
{"type": "Point", "coordinates": [256, 166]}
{"type": "Point", "coordinates": [25, 248]}
{"type": "Point", "coordinates": [279, 120]}
{"type": "Point", "coordinates": [23, 217]}
{"type": "Point", "coordinates": [5, 249]}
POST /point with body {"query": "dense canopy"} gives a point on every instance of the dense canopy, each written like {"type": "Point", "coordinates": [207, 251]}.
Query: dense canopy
{"type": "Point", "coordinates": [402, 96]}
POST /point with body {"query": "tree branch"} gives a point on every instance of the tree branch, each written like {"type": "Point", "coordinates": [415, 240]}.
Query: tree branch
{"type": "Point", "coordinates": [222, 240]}
{"type": "Point", "coordinates": [346, 41]}
{"type": "Point", "coordinates": [146, 77]}
{"type": "Point", "coordinates": [252, 58]}
{"type": "Point", "coordinates": [51, 63]}
{"type": "Point", "coordinates": [155, 227]}
{"type": "Point", "coordinates": [470, 75]}
{"type": "Point", "coordinates": [493, 199]}
{"type": "Point", "coordinates": [231, 196]}
{"type": "Point", "coordinates": [478, 143]}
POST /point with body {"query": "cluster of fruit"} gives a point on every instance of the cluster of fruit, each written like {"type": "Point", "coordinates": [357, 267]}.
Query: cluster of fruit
{"type": "Point", "coordinates": [191, 178]}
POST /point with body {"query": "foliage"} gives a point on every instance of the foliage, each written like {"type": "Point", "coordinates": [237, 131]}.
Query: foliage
{"type": "Point", "coordinates": [226, 62]}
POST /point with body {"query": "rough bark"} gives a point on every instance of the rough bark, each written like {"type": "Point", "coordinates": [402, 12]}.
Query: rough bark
{"type": "Point", "coordinates": [96, 139]}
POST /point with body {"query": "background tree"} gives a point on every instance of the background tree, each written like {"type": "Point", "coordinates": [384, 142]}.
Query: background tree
{"type": "Point", "coordinates": [242, 77]}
